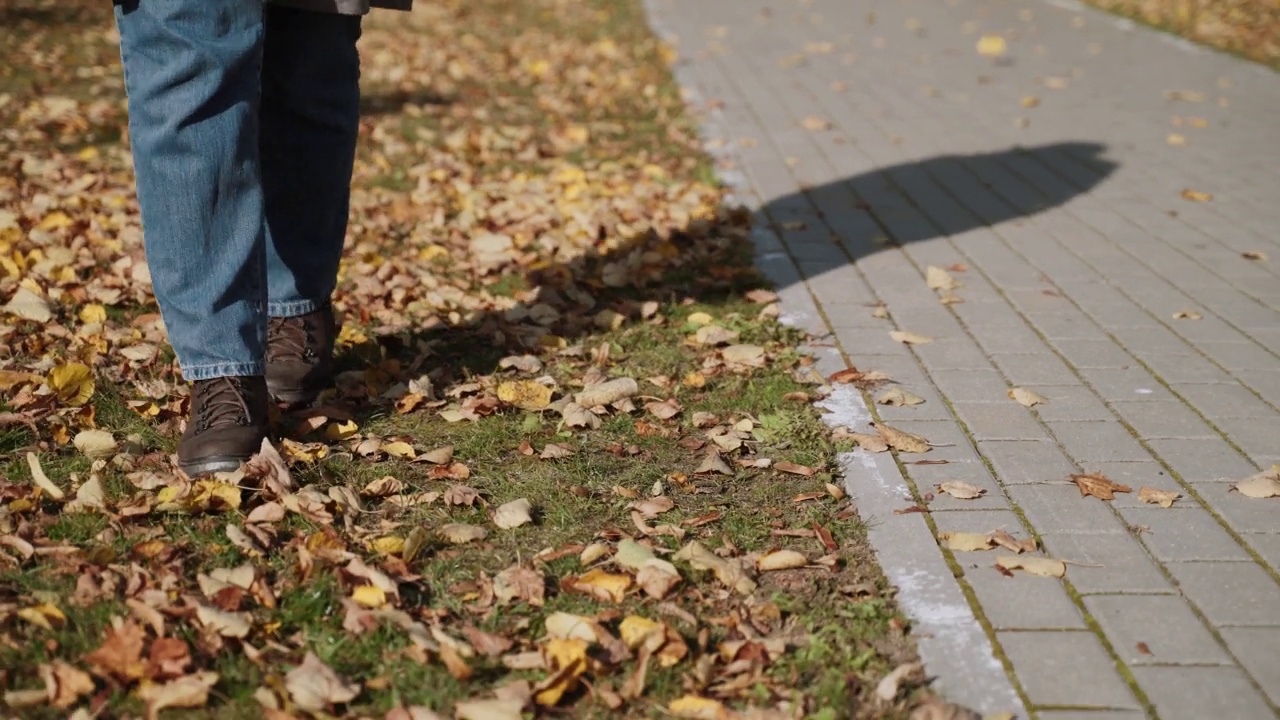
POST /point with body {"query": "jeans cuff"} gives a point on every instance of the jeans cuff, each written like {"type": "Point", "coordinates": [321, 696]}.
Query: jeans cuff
{"type": "Point", "coordinates": [192, 373]}
{"type": "Point", "coordinates": [293, 308]}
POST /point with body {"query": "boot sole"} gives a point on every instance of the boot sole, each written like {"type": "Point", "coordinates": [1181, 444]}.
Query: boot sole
{"type": "Point", "coordinates": [211, 465]}
{"type": "Point", "coordinates": [292, 398]}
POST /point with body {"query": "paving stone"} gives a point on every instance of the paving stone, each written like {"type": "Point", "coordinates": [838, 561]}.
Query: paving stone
{"type": "Point", "coordinates": [1196, 693]}
{"type": "Point", "coordinates": [1131, 383]}
{"type": "Point", "coordinates": [1183, 533]}
{"type": "Point", "coordinates": [971, 385]}
{"type": "Point", "coordinates": [1102, 353]}
{"type": "Point", "coordinates": [952, 354]}
{"type": "Point", "coordinates": [1257, 649]}
{"type": "Point", "coordinates": [1102, 441]}
{"type": "Point", "coordinates": [1005, 420]}
{"type": "Point", "coordinates": [1030, 370]}
{"type": "Point", "coordinates": [1163, 419]}
{"type": "Point", "coordinates": [1106, 562]}
{"type": "Point", "coordinates": [1058, 508]}
{"type": "Point", "coordinates": [1026, 461]}
{"type": "Point", "coordinates": [1070, 403]}
{"type": "Point", "coordinates": [1221, 400]}
{"type": "Point", "coordinates": [1021, 602]}
{"type": "Point", "coordinates": [1242, 514]}
{"type": "Point", "coordinates": [1164, 624]}
{"type": "Point", "coordinates": [1259, 437]}
{"type": "Point", "coordinates": [1229, 593]}
{"type": "Point", "coordinates": [1137, 475]}
{"type": "Point", "coordinates": [1065, 668]}
{"type": "Point", "coordinates": [1267, 546]}
{"type": "Point", "coordinates": [1202, 460]}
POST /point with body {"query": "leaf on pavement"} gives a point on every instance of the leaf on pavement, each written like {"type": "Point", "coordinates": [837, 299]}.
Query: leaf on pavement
{"type": "Point", "coordinates": [1026, 398]}
{"type": "Point", "coordinates": [909, 338]}
{"type": "Point", "coordinates": [898, 397]}
{"type": "Point", "coordinates": [902, 441]}
{"type": "Point", "coordinates": [1163, 498]}
{"type": "Point", "coordinates": [966, 542]}
{"type": "Point", "coordinates": [939, 279]}
{"type": "Point", "coordinates": [1044, 567]}
{"type": "Point", "coordinates": [1265, 484]}
{"type": "Point", "coordinates": [961, 490]}
{"type": "Point", "coordinates": [1099, 486]}
{"type": "Point", "coordinates": [902, 677]}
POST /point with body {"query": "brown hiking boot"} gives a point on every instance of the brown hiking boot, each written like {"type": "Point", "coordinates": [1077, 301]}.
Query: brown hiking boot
{"type": "Point", "coordinates": [227, 424]}
{"type": "Point", "coordinates": [300, 355]}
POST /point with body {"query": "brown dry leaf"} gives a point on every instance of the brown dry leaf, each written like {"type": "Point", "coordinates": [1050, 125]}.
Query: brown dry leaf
{"type": "Point", "coordinates": [781, 560]}
{"type": "Point", "coordinates": [1257, 255]}
{"type": "Point", "coordinates": [120, 655]}
{"type": "Point", "coordinates": [744, 356]}
{"type": "Point", "coordinates": [1099, 486]}
{"type": "Point", "coordinates": [1026, 398]}
{"type": "Point", "coordinates": [653, 507]}
{"type": "Point", "coordinates": [513, 514]}
{"type": "Point", "coordinates": [1187, 315]}
{"type": "Point", "coordinates": [898, 397]}
{"type": "Point", "coordinates": [606, 393]}
{"type": "Point", "coordinates": [795, 469]}
{"type": "Point", "coordinates": [64, 684]}
{"type": "Point", "coordinates": [520, 583]}
{"type": "Point", "coordinates": [657, 578]}
{"type": "Point", "coordinates": [961, 490]}
{"type": "Point", "coordinates": [728, 572]}
{"type": "Point", "coordinates": [226, 624]}
{"type": "Point", "coordinates": [966, 542]}
{"type": "Point", "coordinates": [1044, 567]}
{"type": "Point", "coordinates": [1163, 498]}
{"type": "Point", "coordinates": [713, 463]}
{"type": "Point", "coordinates": [1196, 195]}
{"type": "Point", "coordinates": [664, 410]}
{"type": "Point", "coordinates": [383, 486]}
{"type": "Point", "coordinates": [870, 443]}
{"type": "Point", "coordinates": [461, 495]}
{"type": "Point", "coordinates": [909, 338]}
{"type": "Point", "coordinates": [901, 440]}
{"type": "Point", "coordinates": [490, 709]}
{"type": "Point", "coordinates": [315, 687]}
{"type": "Point", "coordinates": [1264, 485]}
{"type": "Point", "coordinates": [190, 691]}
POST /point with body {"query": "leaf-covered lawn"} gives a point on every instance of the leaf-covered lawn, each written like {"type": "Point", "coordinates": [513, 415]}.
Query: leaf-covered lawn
{"type": "Point", "coordinates": [570, 465]}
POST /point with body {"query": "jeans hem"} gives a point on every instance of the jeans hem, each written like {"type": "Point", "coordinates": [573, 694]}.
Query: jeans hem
{"type": "Point", "coordinates": [192, 373]}
{"type": "Point", "coordinates": [293, 308]}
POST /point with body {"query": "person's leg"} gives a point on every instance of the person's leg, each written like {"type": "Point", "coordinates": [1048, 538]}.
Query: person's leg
{"type": "Point", "coordinates": [310, 118]}
{"type": "Point", "coordinates": [192, 76]}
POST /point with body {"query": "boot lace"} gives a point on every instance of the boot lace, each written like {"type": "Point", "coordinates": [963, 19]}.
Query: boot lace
{"type": "Point", "coordinates": [291, 339]}
{"type": "Point", "coordinates": [222, 402]}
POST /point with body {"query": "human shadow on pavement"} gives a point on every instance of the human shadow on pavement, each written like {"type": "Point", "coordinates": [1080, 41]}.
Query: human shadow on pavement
{"type": "Point", "coordinates": [824, 228]}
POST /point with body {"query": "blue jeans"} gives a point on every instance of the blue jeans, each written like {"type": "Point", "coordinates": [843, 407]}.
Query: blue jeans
{"type": "Point", "coordinates": [243, 121]}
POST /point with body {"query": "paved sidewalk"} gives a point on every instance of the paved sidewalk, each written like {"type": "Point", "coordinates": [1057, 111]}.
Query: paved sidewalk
{"type": "Point", "coordinates": [874, 141]}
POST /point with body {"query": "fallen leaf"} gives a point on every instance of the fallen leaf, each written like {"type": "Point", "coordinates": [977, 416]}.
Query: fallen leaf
{"type": "Point", "coordinates": [1008, 542]}
{"type": "Point", "coordinates": [1026, 398]}
{"type": "Point", "coordinates": [601, 585]}
{"type": "Point", "coordinates": [901, 440]}
{"type": "Point", "coordinates": [525, 394]}
{"type": "Point", "coordinates": [781, 560]}
{"type": "Point", "coordinates": [567, 659]}
{"type": "Point", "coordinates": [1099, 486]}
{"type": "Point", "coordinates": [713, 463]}
{"type": "Point", "coordinates": [64, 684]}
{"type": "Point", "coordinates": [315, 687]}
{"type": "Point", "coordinates": [935, 709]}
{"type": "Point", "coordinates": [95, 443]}
{"type": "Point", "coordinates": [657, 578]}
{"type": "Point", "coordinates": [120, 655]}
{"type": "Point", "coordinates": [41, 480]}
{"type": "Point", "coordinates": [513, 514]}
{"type": "Point", "coordinates": [1257, 255]}
{"type": "Point", "coordinates": [1044, 567]}
{"type": "Point", "coordinates": [1176, 139]}
{"type": "Point", "coordinates": [961, 490]}
{"type": "Point", "coordinates": [190, 691]}
{"type": "Point", "coordinates": [1196, 195]}
{"type": "Point", "coordinates": [1030, 101]}
{"type": "Point", "coordinates": [1163, 498]}
{"type": "Point", "coordinates": [898, 397]}
{"type": "Point", "coordinates": [519, 583]}
{"type": "Point", "coordinates": [909, 338]}
{"type": "Point", "coordinates": [490, 709]}
{"type": "Point", "coordinates": [694, 707]}
{"type": "Point", "coordinates": [1187, 315]}
{"type": "Point", "coordinates": [29, 305]}
{"type": "Point", "coordinates": [904, 675]}
{"type": "Point", "coordinates": [72, 383]}
{"type": "Point", "coordinates": [744, 355]}
{"type": "Point", "coordinates": [991, 46]}
{"type": "Point", "coordinates": [727, 572]}
{"type": "Point", "coordinates": [89, 497]}
{"type": "Point", "coordinates": [966, 542]}
{"type": "Point", "coordinates": [462, 533]}
{"type": "Point", "coordinates": [795, 469]}
{"type": "Point", "coordinates": [227, 624]}
{"type": "Point", "coordinates": [1265, 484]}
{"type": "Point", "coordinates": [815, 123]}
{"type": "Point", "coordinates": [939, 279]}
{"type": "Point", "coordinates": [607, 393]}
{"type": "Point", "coordinates": [1143, 649]}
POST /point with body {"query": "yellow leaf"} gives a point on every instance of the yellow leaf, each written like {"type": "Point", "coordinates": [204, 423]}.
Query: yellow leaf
{"type": "Point", "coordinates": [1025, 397]}
{"type": "Point", "coordinates": [1196, 195]}
{"type": "Point", "coordinates": [54, 221]}
{"type": "Point", "coordinates": [568, 661]}
{"type": "Point", "coordinates": [45, 615]}
{"type": "Point", "coordinates": [337, 432]}
{"type": "Point", "coordinates": [388, 545]}
{"type": "Point", "coordinates": [603, 585]}
{"type": "Point", "coordinates": [991, 46]}
{"type": "Point", "coordinates": [400, 449]}
{"type": "Point", "coordinates": [525, 394]}
{"type": "Point", "coordinates": [72, 383]}
{"type": "Point", "coordinates": [781, 560]}
{"type": "Point", "coordinates": [692, 707]}
{"type": "Point", "coordinates": [370, 596]}
{"type": "Point", "coordinates": [635, 630]}
{"type": "Point", "coordinates": [93, 313]}
{"type": "Point", "coordinates": [700, 318]}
